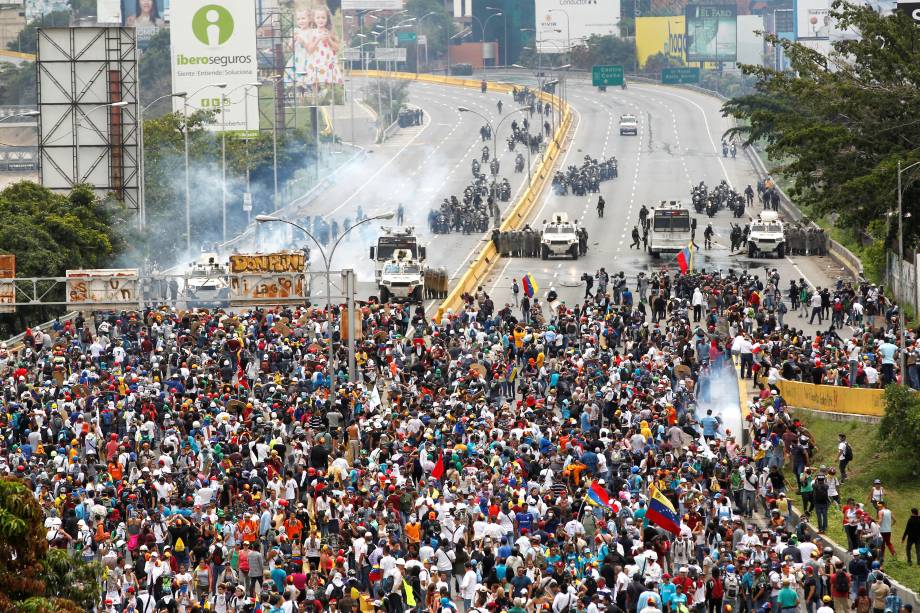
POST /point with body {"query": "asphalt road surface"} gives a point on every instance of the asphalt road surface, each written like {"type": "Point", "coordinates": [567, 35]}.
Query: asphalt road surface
{"type": "Point", "coordinates": [418, 167]}
{"type": "Point", "coordinates": [678, 145]}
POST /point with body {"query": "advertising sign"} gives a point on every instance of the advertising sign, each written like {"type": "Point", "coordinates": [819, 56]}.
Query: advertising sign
{"type": "Point", "coordinates": [213, 44]}
{"type": "Point", "coordinates": [392, 54]}
{"type": "Point", "coordinates": [679, 75]}
{"type": "Point", "coordinates": [911, 9]}
{"type": "Point", "coordinates": [812, 19]}
{"type": "Point", "coordinates": [712, 33]}
{"type": "Point", "coordinates": [564, 22]}
{"type": "Point", "coordinates": [108, 12]}
{"type": "Point", "coordinates": [372, 5]}
{"type": "Point", "coordinates": [314, 70]}
{"type": "Point", "coordinates": [36, 9]}
{"type": "Point", "coordinates": [101, 286]}
{"type": "Point", "coordinates": [268, 276]}
{"type": "Point", "coordinates": [750, 43]}
{"type": "Point", "coordinates": [606, 75]}
{"type": "Point", "coordinates": [7, 287]}
{"type": "Point", "coordinates": [664, 35]}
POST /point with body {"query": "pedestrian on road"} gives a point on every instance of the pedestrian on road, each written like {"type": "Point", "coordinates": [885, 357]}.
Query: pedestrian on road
{"type": "Point", "coordinates": [635, 238]}
{"type": "Point", "coordinates": [515, 290]}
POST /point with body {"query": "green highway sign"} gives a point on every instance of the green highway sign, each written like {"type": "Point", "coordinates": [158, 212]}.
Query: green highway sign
{"type": "Point", "coordinates": [406, 37]}
{"type": "Point", "coordinates": [680, 74]}
{"type": "Point", "coordinates": [606, 75]}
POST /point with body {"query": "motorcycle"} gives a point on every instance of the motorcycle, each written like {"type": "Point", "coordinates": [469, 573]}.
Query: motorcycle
{"type": "Point", "coordinates": [519, 163]}
{"type": "Point", "coordinates": [734, 150]}
{"type": "Point", "coordinates": [475, 167]}
{"type": "Point", "coordinates": [485, 154]}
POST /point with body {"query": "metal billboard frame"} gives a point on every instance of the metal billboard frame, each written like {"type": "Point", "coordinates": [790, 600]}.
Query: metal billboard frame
{"type": "Point", "coordinates": [80, 73]}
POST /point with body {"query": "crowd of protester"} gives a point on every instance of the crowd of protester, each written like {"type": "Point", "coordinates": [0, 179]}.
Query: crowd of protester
{"type": "Point", "coordinates": [529, 457]}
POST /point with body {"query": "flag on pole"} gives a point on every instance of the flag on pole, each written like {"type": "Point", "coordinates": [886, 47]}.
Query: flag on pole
{"type": "Point", "coordinates": [530, 285]}
{"type": "Point", "coordinates": [438, 470]}
{"type": "Point", "coordinates": [685, 259]}
{"type": "Point", "coordinates": [661, 512]}
{"type": "Point", "coordinates": [598, 496]}
{"type": "Point", "coordinates": [511, 372]}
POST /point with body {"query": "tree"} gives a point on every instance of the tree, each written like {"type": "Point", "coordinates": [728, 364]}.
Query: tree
{"type": "Point", "coordinates": [604, 50]}
{"type": "Point", "coordinates": [17, 83]}
{"type": "Point", "coordinates": [899, 430]}
{"type": "Point", "coordinates": [843, 121]}
{"type": "Point", "coordinates": [156, 73]}
{"type": "Point", "coordinates": [164, 151]}
{"type": "Point", "coordinates": [32, 578]}
{"type": "Point", "coordinates": [27, 39]}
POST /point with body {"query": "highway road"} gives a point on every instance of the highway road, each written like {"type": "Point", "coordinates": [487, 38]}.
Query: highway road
{"type": "Point", "coordinates": [678, 145]}
{"type": "Point", "coordinates": [418, 167]}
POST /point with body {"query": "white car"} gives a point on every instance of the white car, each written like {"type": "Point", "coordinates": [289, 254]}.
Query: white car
{"type": "Point", "coordinates": [560, 237]}
{"type": "Point", "coordinates": [629, 124]}
{"type": "Point", "coordinates": [767, 235]}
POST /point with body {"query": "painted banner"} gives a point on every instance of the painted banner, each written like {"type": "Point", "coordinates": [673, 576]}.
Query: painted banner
{"type": "Point", "coordinates": [102, 286]}
{"type": "Point", "coordinates": [7, 288]}
{"type": "Point", "coordinates": [268, 277]}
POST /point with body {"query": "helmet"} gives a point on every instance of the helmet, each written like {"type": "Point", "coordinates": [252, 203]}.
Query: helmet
{"type": "Point", "coordinates": [730, 568]}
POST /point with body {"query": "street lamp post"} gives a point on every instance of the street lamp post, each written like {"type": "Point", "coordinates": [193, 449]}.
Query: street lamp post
{"type": "Point", "coordinates": [505, 25]}
{"type": "Point", "coordinates": [142, 189]}
{"type": "Point", "coordinates": [418, 25]}
{"type": "Point", "coordinates": [188, 182]}
{"type": "Point", "coordinates": [76, 136]}
{"type": "Point", "coordinates": [901, 322]}
{"type": "Point", "coordinates": [327, 263]}
{"type": "Point", "coordinates": [274, 79]}
{"type": "Point", "coordinates": [568, 30]}
{"type": "Point", "coordinates": [223, 152]}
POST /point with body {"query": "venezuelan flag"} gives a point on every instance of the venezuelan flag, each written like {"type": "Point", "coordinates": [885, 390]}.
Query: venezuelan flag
{"type": "Point", "coordinates": [530, 285]}
{"type": "Point", "coordinates": [661, 512]}
{"type": "Point", "coordinates": [685, 259]}
{"type": "Point", "coordinates": [598, 496]}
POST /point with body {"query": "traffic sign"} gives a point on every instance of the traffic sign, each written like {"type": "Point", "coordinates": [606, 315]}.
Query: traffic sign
{"type": "Point", "coordinates": [680, 74]}
{"type": "Point", "coordinates": [606, 75]}
{"type": "Point", "coordinates": [406, 37]}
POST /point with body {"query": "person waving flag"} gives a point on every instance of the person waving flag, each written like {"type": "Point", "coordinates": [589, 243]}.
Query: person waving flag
{"type": "Point", "coordinates": [598, 496]}
{"type": "Point", "coordinates": [661, 512]}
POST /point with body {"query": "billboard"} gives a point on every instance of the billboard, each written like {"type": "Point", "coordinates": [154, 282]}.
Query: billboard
{"type": "Point", "coordinates": [215, 44]}
{"type": "Point", "coordinates": [712, 32]}
{"type": "Point", "coordinates": [812, 19]}
{"type": "Point", "coordinates": [36, 9]}
{"type": "Point", "coordinates": [315, 69]}
{"type": "Point", "coordinates": [563, 22]}
{"type": "Point", "coordinates": [750, 44]}
{"type": "Point", "coordinates": [82, 137]}
{"type": "Point", "coordinates": [108, 12]}
{"type": "Point", "coordinates": [372, 5]}
{"type": "Point", "coordinates": [665, 35]}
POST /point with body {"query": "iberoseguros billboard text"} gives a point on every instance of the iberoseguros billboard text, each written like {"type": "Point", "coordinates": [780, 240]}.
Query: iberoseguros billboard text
{"type": "Point", "coordinates": [665, 35]}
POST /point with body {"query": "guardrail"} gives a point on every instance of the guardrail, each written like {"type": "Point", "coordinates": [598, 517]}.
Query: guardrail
{"type": "Point", "coordinates": [14, 343]}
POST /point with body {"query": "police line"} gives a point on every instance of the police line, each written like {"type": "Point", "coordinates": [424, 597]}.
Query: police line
{"type": "Point", "coordinates": [521, 209]}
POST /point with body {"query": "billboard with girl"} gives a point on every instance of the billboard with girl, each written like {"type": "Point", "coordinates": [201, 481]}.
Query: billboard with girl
{"type": "Point", "coordinates": [315, 70]}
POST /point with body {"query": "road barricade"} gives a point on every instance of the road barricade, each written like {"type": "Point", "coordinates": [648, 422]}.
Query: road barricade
{"type": "Point", "coordinates": [833, 398]}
